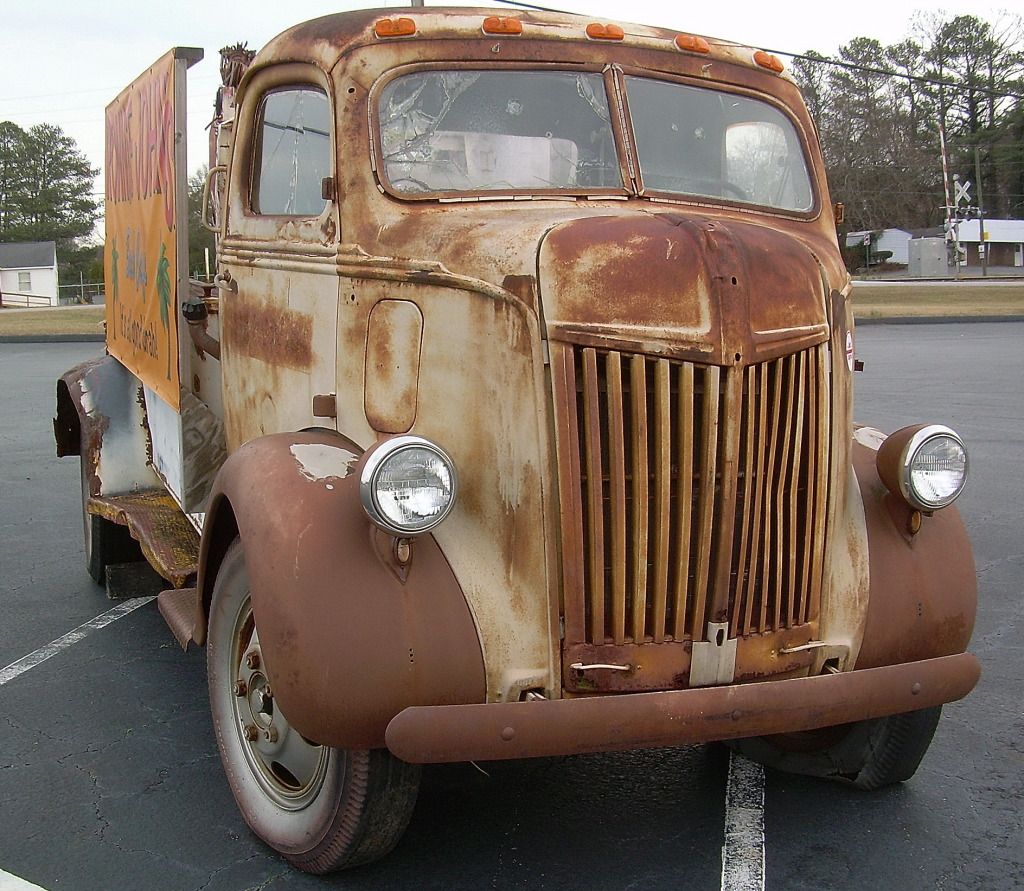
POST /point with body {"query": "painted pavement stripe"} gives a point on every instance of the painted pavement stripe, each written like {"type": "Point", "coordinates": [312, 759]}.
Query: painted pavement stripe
{"type": "Point", "coordinates": [72, 637]}
{"type": "Point", "coordinates": [9, 882]}
{"type": "Point", "coordinates": [743, 851]}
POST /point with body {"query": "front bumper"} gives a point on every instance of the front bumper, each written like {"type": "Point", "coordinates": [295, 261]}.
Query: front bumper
{"type": "Point", "coordinates": [494, 731]}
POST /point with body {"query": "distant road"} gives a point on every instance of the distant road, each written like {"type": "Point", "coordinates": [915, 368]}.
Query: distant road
{"type": "Point", "coordinates": [1001, 282]}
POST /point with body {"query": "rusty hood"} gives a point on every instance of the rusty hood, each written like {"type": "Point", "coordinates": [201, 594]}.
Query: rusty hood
{"type": "Point", "coordinates": [723, 292]}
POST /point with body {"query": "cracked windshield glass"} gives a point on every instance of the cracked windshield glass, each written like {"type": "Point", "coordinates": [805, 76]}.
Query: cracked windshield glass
{"type": "Point", "coordinates": [472, 131]}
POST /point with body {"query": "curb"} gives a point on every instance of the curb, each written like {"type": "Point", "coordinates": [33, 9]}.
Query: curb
{"type": "Point", "coordinates": [930, 320]}
{"type": "Point", "coordinates": [53, 338]}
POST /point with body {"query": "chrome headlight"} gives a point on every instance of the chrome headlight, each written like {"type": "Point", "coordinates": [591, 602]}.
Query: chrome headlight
{"type": "Point", "coordinates": [926, 465]}
{"type": "Point", "coordinates": [408, 485]}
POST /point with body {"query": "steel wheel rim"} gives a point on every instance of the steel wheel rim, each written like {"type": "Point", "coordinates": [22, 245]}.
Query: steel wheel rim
{"type": "Point", "coordinates": [289, 770]}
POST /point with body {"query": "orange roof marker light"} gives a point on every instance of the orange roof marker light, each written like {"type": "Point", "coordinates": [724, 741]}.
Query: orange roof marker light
{"type": "Point", "coordinates": [402, 27]}
{"type": "Point", "coordinates": [499, 24]}
{"type": "Point", "coordinates": [597, 31]}
{"type": "Point", "coordinates": [691, 44]}
{"type": "Point", "coordinates": [767, 60]}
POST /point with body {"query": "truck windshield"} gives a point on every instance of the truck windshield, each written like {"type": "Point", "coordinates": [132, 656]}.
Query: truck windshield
{"type": "Point", "coordinates": [503, 131]}
{"type": "Point", "coordinates": [472, 131]}
{"type": "Point", "coordinates": [704, 142]}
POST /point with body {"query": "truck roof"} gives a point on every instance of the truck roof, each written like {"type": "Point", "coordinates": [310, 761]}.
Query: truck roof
{"type": "Point", "coordinates": [322, 41]}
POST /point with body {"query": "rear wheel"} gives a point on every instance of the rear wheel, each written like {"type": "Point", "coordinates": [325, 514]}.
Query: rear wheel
{"type": "Point", "coordinates": [106, 543]}
{"type": "Point", "coordinates": [322, 808]}
{"type": "Point", "coordinates": [869, 754]}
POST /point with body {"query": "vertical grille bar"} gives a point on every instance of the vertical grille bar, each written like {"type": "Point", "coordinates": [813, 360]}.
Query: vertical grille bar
{"type": "Point", "coordinates": [724, 495]}
{"type": "Point", "coordinates": [706, 495]}
{"type": "Point", "coordinates": [595, 494]}
{"type": "Point", "coordinates": [563, 373]}
{"type": "Point", "coordinates": [797, 378]}
{"type": "Point", "coordinates": [746, 494]}
{"type": "Point", "coordinates": [617, 495]}
{"type": "Point", "coordinates": [784, 491]}
{"type": "Point", "coordinates": [638, 395]}
{"type": "Point", "coordinates": [754, 592]}
{"type": "Point", "coordinates": [822, 419]}
{"type": "Point", "coordinates": [769, 538]}
{"type": "Point", "coordinates": [662, 494]}
{"type": "Point", "coordinates": [684, 501]}
{"type": "Point", "coordinates": [810, 494]}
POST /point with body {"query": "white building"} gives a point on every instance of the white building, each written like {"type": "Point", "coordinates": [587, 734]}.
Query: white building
{"type": "Point", "coordinates": [879, 240]}
{"type": "Point", "coordinates": [1004, 241]}
{"type": "Point", "coordinates": [28, 274]}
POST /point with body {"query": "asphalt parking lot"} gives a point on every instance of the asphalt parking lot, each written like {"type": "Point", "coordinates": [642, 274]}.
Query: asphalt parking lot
{"type": "Point", "coordinates": [109, 775]}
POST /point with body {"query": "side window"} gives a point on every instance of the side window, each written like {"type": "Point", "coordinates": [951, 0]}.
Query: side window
{"type": "Point", "coordinates": [24, 281]}
{"type": "Point", "coordinates": [293, 152]}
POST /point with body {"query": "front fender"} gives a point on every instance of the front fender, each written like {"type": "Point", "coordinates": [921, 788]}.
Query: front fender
{"type": "Point", "coordinates": [349, 637]}
{"type": "Point", "coordinates": [923, 591]}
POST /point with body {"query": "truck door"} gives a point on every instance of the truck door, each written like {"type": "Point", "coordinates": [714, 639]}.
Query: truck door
{"type": "Point", "coordinates": [278, 280]}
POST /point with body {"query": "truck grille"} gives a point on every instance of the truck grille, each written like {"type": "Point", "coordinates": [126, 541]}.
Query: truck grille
{"type": "Point", "coordinates": [689, 493]}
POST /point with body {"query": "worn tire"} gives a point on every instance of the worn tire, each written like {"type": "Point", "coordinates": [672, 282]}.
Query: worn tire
{"type": "Point", "coordinates": [106, 543]}
{"type": "Point", "coordinates": [321, 808]}
{"type": "Point", "coordinates": [868, 754]}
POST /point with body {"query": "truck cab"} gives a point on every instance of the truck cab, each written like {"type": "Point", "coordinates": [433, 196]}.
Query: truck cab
{"type": "Point", "coordinates": [519, 423]}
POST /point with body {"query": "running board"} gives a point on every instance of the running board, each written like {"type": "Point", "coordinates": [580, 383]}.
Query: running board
{"type": "Point", "coordinates": [168, 540]}
{"type": "Point", "coordinates": [178, 607]}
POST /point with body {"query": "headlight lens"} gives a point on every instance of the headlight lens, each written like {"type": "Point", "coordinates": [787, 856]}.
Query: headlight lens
{"type": "Point", "coordinates": [408, 485]}
{"type": "Point", "coordinates": [934, 468]}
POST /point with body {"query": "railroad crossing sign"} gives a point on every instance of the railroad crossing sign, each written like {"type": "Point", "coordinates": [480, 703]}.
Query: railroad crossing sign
{"type": "Point", "coordinates": [963, 192]}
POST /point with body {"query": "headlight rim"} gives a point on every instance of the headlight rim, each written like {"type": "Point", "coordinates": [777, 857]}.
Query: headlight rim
{"type": "Point", "coordinates": [372, 463]}
{"type": "Point", "coordinates": [922, 436]}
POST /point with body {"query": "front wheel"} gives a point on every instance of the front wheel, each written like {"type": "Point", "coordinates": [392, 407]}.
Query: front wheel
{"type": "Point", "coordinates": [869, 754]}
{"type": "Point", "coordinates": [322, 808]}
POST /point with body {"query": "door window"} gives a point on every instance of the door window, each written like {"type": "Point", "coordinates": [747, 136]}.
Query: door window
{"type": "Point", "coordinates": [293, 152]}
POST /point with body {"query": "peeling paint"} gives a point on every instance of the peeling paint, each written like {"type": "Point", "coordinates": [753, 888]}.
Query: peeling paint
{"type": "Point", "coordinates": [321, 462]}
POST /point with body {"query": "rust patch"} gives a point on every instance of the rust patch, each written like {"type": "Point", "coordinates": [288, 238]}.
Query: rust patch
{"type": "Point", "coordinates": [392, 369]}
{"type": "Point", "coordinates": [524, 287]}
{"type": "Point", "coordinates": [274, 335]}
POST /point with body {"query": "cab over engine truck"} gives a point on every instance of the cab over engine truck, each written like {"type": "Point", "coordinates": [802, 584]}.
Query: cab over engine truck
{"type": "Point", "coordinates": [517, 423]}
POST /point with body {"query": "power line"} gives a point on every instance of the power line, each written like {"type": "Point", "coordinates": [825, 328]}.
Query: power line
{"type": "Point", "coordinates": [826, 60]}
{"type": "Point", "coordinates": [913, 78]}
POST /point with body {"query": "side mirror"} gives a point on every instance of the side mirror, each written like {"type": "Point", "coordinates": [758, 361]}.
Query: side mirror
{"type": "Point", "coordinates": [213, 188]}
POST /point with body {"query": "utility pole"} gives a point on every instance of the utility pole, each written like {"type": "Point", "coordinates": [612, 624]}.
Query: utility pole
{"type": "Point", "coordinates": [982, 244]}
{"type": "Point", "coordinates": [952, 229]}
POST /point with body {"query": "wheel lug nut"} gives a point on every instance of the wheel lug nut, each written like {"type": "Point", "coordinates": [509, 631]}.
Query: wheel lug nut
{"type": "Point", "coordinates": [251, 732]}
{"type": "Point", "coordinates": [252, 659]}
{"type": "Point", "coordinates": [241, 688]}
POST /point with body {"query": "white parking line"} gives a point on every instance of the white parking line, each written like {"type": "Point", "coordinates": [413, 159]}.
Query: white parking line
{"type": "Point", "coordinates": [62, 643]}
{"type": "Point", "coordinates": [743, 851]}
{"type": "Point", "coordinates": [9, 882]}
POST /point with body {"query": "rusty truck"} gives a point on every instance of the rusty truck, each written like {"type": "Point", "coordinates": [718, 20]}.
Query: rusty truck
{"type": "Point", "coordinates": [517, 420]}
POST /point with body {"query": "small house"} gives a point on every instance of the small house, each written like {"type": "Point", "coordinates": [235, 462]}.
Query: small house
{"type": "Point", "coordinates": [28, 274]}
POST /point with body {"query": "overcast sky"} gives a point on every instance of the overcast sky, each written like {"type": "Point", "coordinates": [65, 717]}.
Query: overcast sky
{"type": "Point", "coordinates": [62, 61]}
